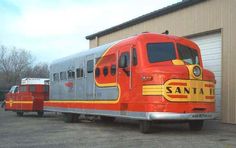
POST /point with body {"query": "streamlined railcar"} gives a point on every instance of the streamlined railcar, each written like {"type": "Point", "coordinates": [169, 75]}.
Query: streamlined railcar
{"type": "Point", "coordinates": [147, 77]}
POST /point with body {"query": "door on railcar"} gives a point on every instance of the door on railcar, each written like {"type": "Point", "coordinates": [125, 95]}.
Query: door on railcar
{"type": "Point", "coordinates": [80, 81]}
{"type": "Point", "coordinates": [12, 96]}
{"type": "Point", "coordinates": [89, 77]}
{"type": "Point", "coordinates": [125, 75]}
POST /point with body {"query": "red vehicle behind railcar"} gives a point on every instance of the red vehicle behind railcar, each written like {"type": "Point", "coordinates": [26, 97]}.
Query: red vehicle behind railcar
{"type": "Point", "coordinates": [28, 97]}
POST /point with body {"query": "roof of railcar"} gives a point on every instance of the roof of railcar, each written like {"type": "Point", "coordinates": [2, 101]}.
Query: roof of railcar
{"type": "Point", "coordinates": [84, 53]}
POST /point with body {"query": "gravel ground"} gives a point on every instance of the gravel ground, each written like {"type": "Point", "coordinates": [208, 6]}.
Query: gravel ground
{"type": "Point", "coordinates": [51, 132]}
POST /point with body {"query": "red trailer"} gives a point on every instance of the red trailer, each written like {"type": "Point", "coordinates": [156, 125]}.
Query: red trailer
{"type": "Point", "coordinates": [28, 97]}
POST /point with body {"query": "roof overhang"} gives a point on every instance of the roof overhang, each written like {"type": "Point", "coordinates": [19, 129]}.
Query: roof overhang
{"type": "Point", "coordinates": [143, 18]}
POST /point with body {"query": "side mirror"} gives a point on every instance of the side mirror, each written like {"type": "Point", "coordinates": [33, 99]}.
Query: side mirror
{"type": "Point", "coordinates": [123, 63]}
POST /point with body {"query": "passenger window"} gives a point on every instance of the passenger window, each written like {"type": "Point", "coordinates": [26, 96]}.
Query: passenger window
{"type": "Point", "coordinates": [32, 88]}
{"type": "Point", "coordinates": [105, 71]}
{"type": "Point", "coordinates": [113, 70]}
{"type": "Point", "coordinates": [55, 77]}
{"type": "Point", "coordinates": [71, 74]}
{"type": "Point", "coordinates": [79, 72]}
{"type": "Point", "coordinates": [63, 75]}
{"type": "Point", "coordinates": [134, 57]}
{"type": "Point", "coordinates": [97, 72]}
{"type": "Point", "coordinates": [90, 66]}
{"type": "Point", "coordinates": [124, 60]}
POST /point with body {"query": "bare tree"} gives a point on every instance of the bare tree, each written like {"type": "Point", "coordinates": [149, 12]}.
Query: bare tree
{"type": "Point", "coordinates": [13, 64]}
{"type": "Point", "coordinates": [16, 64]}
{"type": "Point", "coordinates": [39, 70]}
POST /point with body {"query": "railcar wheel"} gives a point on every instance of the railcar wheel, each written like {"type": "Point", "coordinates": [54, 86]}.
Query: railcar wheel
{"type": "Point", "coordinates": [40, 113]}
{"type": "Point", "coordinates": [195, 125]}
{"type": "Point", "coordinates": [107, 119]}
{"type": "Point", "coordinates": [145, 126]}
{"type": "Point", "coordinates": [19, 114]}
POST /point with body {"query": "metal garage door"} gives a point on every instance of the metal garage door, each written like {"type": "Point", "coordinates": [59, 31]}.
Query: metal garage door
{"type": "Point", "coordinates": [210, 46]}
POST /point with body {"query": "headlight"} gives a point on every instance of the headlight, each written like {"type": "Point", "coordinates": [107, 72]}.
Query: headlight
{"type": "Point", "coordinates": [196, 71]}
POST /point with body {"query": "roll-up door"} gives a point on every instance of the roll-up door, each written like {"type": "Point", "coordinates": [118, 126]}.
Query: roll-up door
{"type": "Point", "coordinates": [210, 46]}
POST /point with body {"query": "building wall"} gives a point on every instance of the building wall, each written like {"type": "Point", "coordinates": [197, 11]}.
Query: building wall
{"type": "Point", "coordinates": [205, 17]}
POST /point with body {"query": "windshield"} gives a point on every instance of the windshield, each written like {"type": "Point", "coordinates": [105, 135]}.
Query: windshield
{"type": "Point", "coordinates": [160, 52]}
{"type": "Point", "coordinates": [187, 54]}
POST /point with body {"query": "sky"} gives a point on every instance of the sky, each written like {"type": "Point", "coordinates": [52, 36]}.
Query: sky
{"type": "Point", "coordinates": [52, 29]}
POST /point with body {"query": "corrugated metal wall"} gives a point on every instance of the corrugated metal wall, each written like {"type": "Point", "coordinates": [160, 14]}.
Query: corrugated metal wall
{"type": "Point", "coordinates": [199, 18]}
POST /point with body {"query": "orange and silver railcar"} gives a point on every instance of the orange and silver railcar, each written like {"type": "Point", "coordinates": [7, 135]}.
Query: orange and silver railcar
{"type": "Point", "coordinates": [147, 77]}
{"type": "Point", "coordinates": [28, 97]}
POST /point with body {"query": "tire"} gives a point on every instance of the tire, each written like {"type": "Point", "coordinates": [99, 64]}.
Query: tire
{"type": "Point", "coordinates": [19, 114]}
{"type": "Point", "coordinates": [107, 119]}
{"type": "Point", "coordinates": [70, 118]}
{"type": "Point", "coordinates": [145, 126]}
{"type": "Point", "coordinates": [195, 125]}
{"type": "Point", "coordinates": [40, 113]}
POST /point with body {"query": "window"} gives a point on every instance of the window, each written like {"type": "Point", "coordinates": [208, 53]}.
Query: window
{"type": "Point", "coordinates": [23, 88]}
{"type": "Point", "coordinates": [56, 77]}
{"type": "Point", "coordinates": [160, 52]}
{"type": "Point", "coordinates": [105, 71]}
{"type": "Point", "coordinates": [134, 57]}
{"type": "Point", "coordinates": [71, 74]}
{"type": "Point", "coordinates": [188, 54]}
{"type": "Point", "coordinates": [97, 72]}
{"type": "Point", "coordinates": [46, 88]}
{"type": "Point", "coordinates": [113, 70]}
{"type": "Point", "coordinates": [63, 75]}
{"type": "Point", "coordinates": [32, 88]}
{"type": "Point", "coordinates": [79, 72]}
{"type": "Point", "coordinates": [124, 60]}
{"type": "Point", "coordinates": [90, 66]}
{"type": "Point", "coordinates": [16, 89]}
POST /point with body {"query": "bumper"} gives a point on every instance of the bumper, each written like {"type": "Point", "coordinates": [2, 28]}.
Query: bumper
{"type": "Point", "coordinates": [180, 116]}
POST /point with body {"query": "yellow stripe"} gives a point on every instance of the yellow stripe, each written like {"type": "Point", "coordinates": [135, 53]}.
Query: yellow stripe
{"type": "Point", "coordinates": [152, 90]}
{"type": "Point", "coordinates": [19, 102]}
{"type": "Point", "coordinates": [153, 86]}
{"type": "Point", "coordinates": [105, 84]}
{"type": "Point", "coordinates": [84, 101]}
{"type": "Point", "coordinates": [152, 93]}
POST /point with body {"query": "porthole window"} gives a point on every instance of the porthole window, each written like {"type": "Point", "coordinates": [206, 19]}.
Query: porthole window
{"type": "Point", "coordinates": [105, 71]}
{"type": "Point", "coordinates": [113, 70]}
{"type": "Point", "coordinates": [97, 72]}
